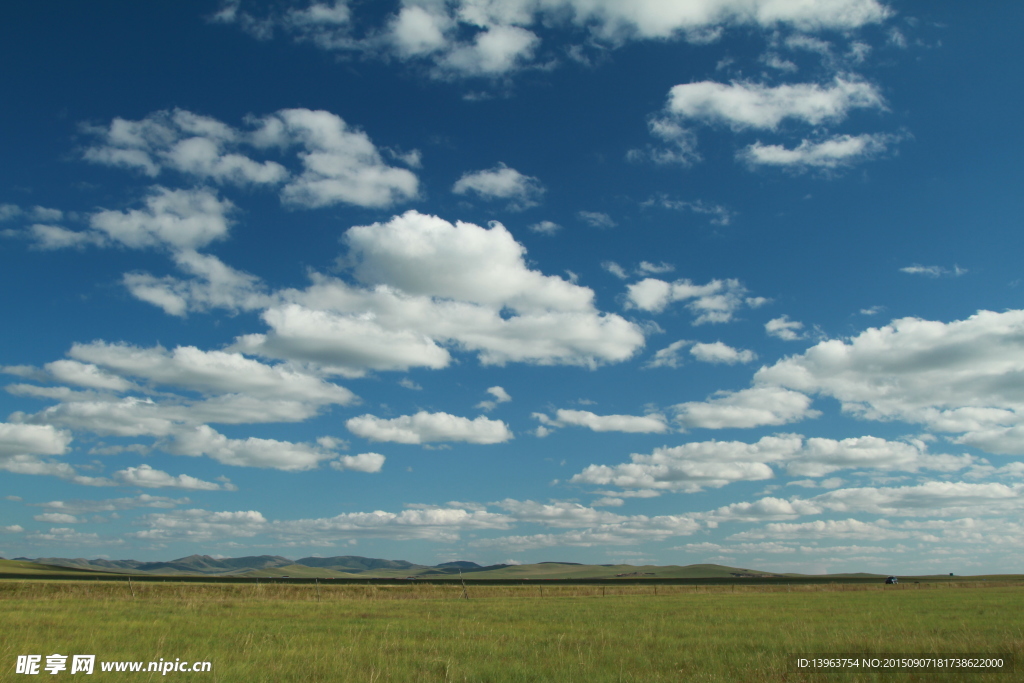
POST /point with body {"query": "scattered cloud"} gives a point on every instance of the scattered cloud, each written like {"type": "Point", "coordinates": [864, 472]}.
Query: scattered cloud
{"type": "Point", "coordinates": [755, 407]}
{"type": "Point", "coordinates": [468, 39]}
{"type": "Point", "coordinates": [959, 377]}
{"type": "Point", "coordinates": [717, 352]}
{"type": "Point", "coordinates": [545, 227]}
{"type": "Point", "coordinates": [715, 302]}
{"type": "Point", "coordinates": [502, 182]}
{"type": "Point", "coordinates": [424, 427]}
{"type": "Point", "coordinates": [741, 105]}
{"type": "Point", "coordinates": [933, 271]}
{"type": "Point", "coordinates": [147, 477]}
{"type": "Point", "coordinates": [633, 424]}
{"type": "Point", "coordinates": [596, 219]}
{"type": "Point", "coordinates": [498, 394]}
{"type": "Point", "coordinates": [784, 328]}
{"type": "Point", "coordinates": [833, 153]}
{"type": "Point", "coordinates": [338, 164]}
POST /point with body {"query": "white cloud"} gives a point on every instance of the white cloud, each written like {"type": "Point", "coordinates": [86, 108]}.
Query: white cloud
{"type": "Point", "coordinates": [545, 227]}
{"type": "Point", "coordinates": [147, 477]}
{"type": "Point", "coordinates": [680, 144]}
{"type": "Point", "coordinates": [200, 526]}
{"type": "Point", "coordinates": [424, 427]}
{"type": "Point", "coordinates": [180, 219]}
{"type": "Point", "coordinates": [931, 499]}
{"type": "Point", "coordinates": [630, 424]}
{"type": "Point", "coordinates": [615, 269]}
{"type": "Point", "coordinates": [596, 219]}
{"type": "Point", "coordinates": [558, 514]}
{"type": "Point", "coordinates": [933, 271]}
{"type": "Point", "coordinates": [144, 500]}
{"type": "Point", "coordinates": [835, 152]}
{"type": "Point", "coordinates": [499, 395]}
{"type": "Point", "coordinates": [183, 141]}
{"type": "Point", "coordinates": [213, 285]}
{"type": "Point", "coordinates": [717, 352]}
{"type": "Point", "coordinates": [494, 51]}
{"type": "Point", "coordinates": [250, 452]}
{"type": "Point", "coordinates": [502, 182]}
{"type": "Point", "coordinates": [715, 302]}
{"type": "Point", "coordinates": [468, 38]}
{"type": "Point", "coordinates": [57, 518]}
{"type": "Point", "coordinates": [339, 164]}
{"type": "Point", "coordinates": [630, 531]}
{"type": "Point", "coordinates": [434, 523]}
{"type": "Point", "coordinates": [962, 377]}
{"type": "Point", "coordinates": [21, 446]}
{"type": "Point", "coordinates": [427, 285]}
{"type": "Point", "coordinates": [784, 328]}
{"type": "Point", "coordinates": [51, 237]}
{"type": "Point", "coordinates": [30, 439]}
{"type": "Point", "coordinates": [209, 372]}
{"type": "Point", "coordinates": [755, 407]}
{"type": "Point", "coordinates": [668, 357]}
{"type": "Point", "coordinates": [718, 214]}
{"type": "Point", "coordinates": [712, 464]}
{"type": "Point", "coordinates": [364, 462]}
{"type": "Point", "coordinates": [751, 105]}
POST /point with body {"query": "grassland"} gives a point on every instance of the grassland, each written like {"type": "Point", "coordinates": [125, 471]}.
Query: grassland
{"type": "Point", "coordinates": [506, 633]}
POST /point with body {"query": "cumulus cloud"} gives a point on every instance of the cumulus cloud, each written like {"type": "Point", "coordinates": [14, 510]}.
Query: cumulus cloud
{"type": "Point", "coordinates": [835, 152]}
{"type": "Point", "coordinates": [502, 182]}
{"type": "Point", "coordinates": [741, 105]}
{"type": "Point", "coordinates": [466, 38]}
{"type": "Point", "coordinates": [784, 328]}
{"type": "Point", "coordinates": [962, 377]}
{"type": "Point", "coordinates": [24, 446]}
{"type": "Point", "coordinates": [713, 464]}
{"type": "Point", "coordinates": [668, 357]}
{"type": "Point", "coordinates": [433, 523]}
{"type": "Point", "coordinates": [213, 284]}
{"type": "Point", "coordinates": [715, 302]}
{"type": "Point", "coordinates": [424, 427]}
{"type": "Point", "coordinates": [717, 352]}
{"type": "Point", "coordinates": [559, 514]}
{"type": "Point", "coordinates": [364, 462]}
{"type": "Point", "coordinates": [755, 407]}
{"type": "Point", "coordinates": [143, 500]}
{"type": "Point", "coordinates": [339, 164]}
{"type": "Point", "coordinates": [208, 372]}
{"type": "Point", "coordinates": [147, 477]}
{"type": "Point", "coordinates": [545, 227]}
{"type": "Point", "coordinates": [179, 219]}
{"type": "Point", "coordinates": [631, 424]}
{"type": "Point", "coordinates": [250, 452]}
{"type": "Point", "coordinates": [427, 286]}
{"type": "Point", "coordinates": [498, 394]}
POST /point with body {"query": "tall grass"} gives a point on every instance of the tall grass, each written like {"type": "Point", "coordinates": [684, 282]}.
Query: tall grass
{"type": "Point", "coordinates": [415, 633]}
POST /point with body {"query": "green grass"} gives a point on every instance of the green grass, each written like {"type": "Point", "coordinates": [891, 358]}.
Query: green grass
{"type": "Point", "coordinates": [506, 633]}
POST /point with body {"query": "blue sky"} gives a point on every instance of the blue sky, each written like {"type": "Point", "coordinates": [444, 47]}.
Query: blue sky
{"type": "Point", "coordinates": [657, 282]}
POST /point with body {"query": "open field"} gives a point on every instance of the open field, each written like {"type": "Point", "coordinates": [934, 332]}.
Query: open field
{"type": "Point", "coordinates": [422, 632]}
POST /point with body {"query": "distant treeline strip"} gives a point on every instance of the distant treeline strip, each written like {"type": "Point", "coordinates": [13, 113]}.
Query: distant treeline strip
{"type": "Point", "coordinates": [626, 581]}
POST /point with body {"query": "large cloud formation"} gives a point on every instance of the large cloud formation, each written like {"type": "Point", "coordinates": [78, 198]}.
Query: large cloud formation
{"type": "Point", "coordinates": [965, 377]}
{"type": "Point", "coordinates": [427, 286]}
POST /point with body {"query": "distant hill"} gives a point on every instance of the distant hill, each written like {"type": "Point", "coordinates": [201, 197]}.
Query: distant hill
{"type": "Point", "coordinates": [352, 566]}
